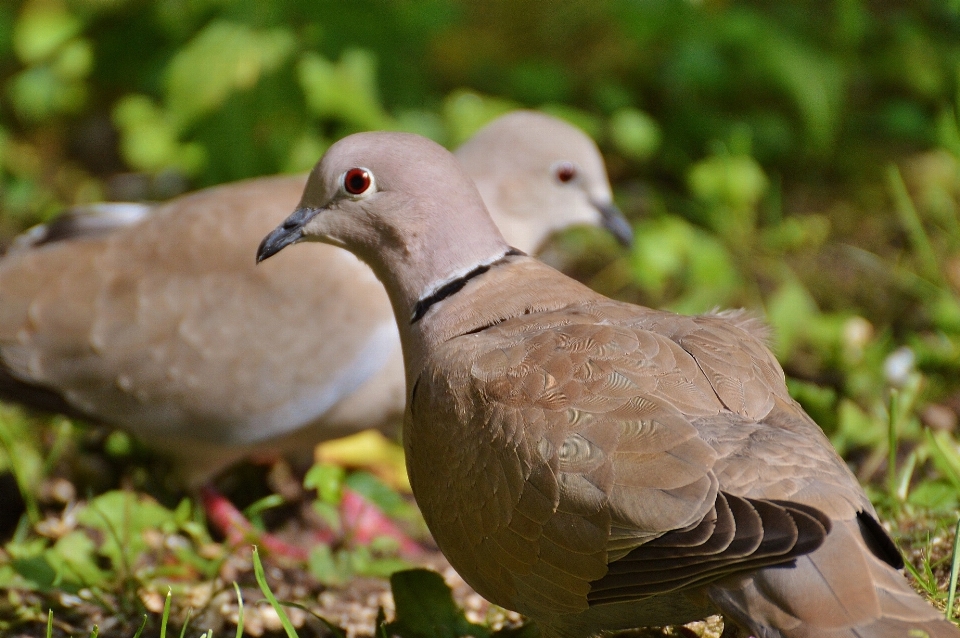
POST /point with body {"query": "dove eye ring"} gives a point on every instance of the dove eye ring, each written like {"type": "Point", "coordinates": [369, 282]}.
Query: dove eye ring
{"type": "Point", "coordinates": [357, 182]}
{"type": "Point", "coordinates": [565, 172]}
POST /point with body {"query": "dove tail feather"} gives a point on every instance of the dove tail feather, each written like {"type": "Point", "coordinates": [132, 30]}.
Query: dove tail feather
{"type": "Point", "coordinates": [844, 589]}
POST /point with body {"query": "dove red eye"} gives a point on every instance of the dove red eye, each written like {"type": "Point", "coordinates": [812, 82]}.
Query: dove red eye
{"type": "Point", "coordinates": [565, 172]}
{"type": "Point", "coordinates": [357, 181]}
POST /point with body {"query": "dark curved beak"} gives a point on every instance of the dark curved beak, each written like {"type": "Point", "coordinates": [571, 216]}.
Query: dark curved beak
{"type": "Point", "coordinates": [289, 232]}
{"type": "Point", "coordinates": [614, 221]}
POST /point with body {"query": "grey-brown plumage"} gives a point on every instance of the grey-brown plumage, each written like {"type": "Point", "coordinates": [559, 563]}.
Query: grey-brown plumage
{"type": "Point", "coordinates": [593, 464]}
{"type": "Point", "coordinates": [155, 319]}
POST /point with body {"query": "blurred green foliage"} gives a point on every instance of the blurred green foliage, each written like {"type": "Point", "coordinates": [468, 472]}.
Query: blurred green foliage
{"type": "Point", "coordinates": [222, 89]}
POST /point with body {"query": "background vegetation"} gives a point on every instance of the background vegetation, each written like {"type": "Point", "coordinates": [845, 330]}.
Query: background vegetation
{"type": "Point", "coordinates": [800, 158]}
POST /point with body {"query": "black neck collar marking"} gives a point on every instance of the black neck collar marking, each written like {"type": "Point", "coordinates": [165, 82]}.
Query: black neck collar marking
{"type": "Point", "coordinates": [453, 287]}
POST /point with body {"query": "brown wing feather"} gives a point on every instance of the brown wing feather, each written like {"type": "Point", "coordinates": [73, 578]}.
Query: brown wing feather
{"type": "Point", "coordinates": [606, 462]}
{"type": "Point", "coordinates": [746, 534]}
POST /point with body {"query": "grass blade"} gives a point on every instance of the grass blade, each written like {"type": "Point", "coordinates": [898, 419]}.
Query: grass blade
{"type": "Point", "coordinates": [910, 220]}
{"type": "Point", "coordinates": [268, 594]}
{"type": "Point", "coordinates": [954, 569]}
{"type": "Point", "coordinates": [894, 413]}
{"type": "Point", "coordinates": [335, 631]}
{"type": "Point", "coordinates": [183, 630]}
{"type": "Point", "coordinates": [903, 483]}
{"type": "Point", "coordinates": [236, 587]}
{"type": "Point", "coordinates": [166, 614]}
{"type": "Point", "coordinates": [142, 625]}
{"type": "Point", "coordinates": [946, 458]}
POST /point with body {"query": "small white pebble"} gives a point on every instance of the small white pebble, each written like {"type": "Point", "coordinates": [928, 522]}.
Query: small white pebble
{"type": "Point", "coordinates": [271, 620]}
{"type": "Point", "coordinates": [252, 622]}
{"type": "Point", "coordinates": [152, 600]}
{"type": "Point", "coordinates": [175, 541]}
{"type": "Point", "coordinates": [199, 595]}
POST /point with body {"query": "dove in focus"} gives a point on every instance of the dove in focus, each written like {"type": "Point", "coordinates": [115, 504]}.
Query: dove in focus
{"type": "Point", "coordinates": [593, 464]}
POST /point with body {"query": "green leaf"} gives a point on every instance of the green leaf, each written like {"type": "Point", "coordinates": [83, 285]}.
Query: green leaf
{"type": "Point", "coordinates": [634, 133]}
{"type": "Point", "coordinates": [712, 280]}
{"type": "Point", "coordinates": [19, 454]}
{"type": "Point", "coordinates": [75, 60]}
{"type": "Point", "coordinates": [586, 122]}
{"type": "Point", "coordinates": [326, 566]}
{"type": "Point", "coordinates": [42, 28]}
{"type": "Point", "coordinates": [426, 609]}
{"type": "Point", "coordinates": [118, 444]}
{"type": "Point", "coordinates": [466, 112]}
{"type": "Point", "coordinates": [149, 139]}
{"type": "Point", "coordinates": [39, 92]}
{"type": "Point", "coordinates": [669, 252]}
{"type": "Point", "coordinates": [304, 152]}
{"type": "Point", "coordinates": [38, 571]}
{"type": "Point", "coordinates": [659, 251]}
{"type": "Point", "coordinates": [124, 516]}
{"type": "Point", "coordinates": [737, 181]}
{"type": "Point", "coordinates": [74, 557]}
{"type": "Point", "coordinates": [328, 480]}
{"type": "Point", "coordinates": [255, 510]}
{"type": "Point", "coordinates": [790, 311]}
{"type": "Point", "coordinates": [944, 453]}
{"type": "Point", "coordinates": [423, 123]}
{"type": "Point", "coordinates": [820, 402]}
{"type": "Point", "coordinates": [223, 58]}
{"type": "Point", "coordinates": [119, 508]}
{"type": "Point", "coordinates": [937, 496]}
{"type": "Point", "coordinates": [379, 493]}
{"type": "Point", "coordinates": [346, 90]}
{"type": "Point", "coordinates": [366, 561]}
{"type": "Point", "coordinates": [856, 428]}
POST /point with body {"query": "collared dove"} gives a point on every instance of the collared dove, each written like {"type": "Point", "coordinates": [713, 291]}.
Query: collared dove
{"type": "Point", "coordinates": [589, 463]}
{"type": "Point", "coordinates": [155, 319]}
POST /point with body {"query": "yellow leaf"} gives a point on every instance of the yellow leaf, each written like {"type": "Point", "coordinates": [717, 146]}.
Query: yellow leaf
{"type": "Point", "coordinates": [371, 451]}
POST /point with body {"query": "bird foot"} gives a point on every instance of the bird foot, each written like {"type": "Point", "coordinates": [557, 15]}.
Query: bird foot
{"type": "Point", "coordinates": [238, 530]}
{"type": "Point", "coordinates": [363, 521]}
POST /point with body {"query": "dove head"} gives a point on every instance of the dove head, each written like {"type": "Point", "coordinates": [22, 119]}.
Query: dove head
{"type": "Point", "coordinates": [538, 174]}
{"type": "Point", "coordinates": [402, 204]}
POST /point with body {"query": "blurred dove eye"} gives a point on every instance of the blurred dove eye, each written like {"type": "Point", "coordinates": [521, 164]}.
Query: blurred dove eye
{"type": "Point", "coordinates": [357, 181]}
{"type": "Point", "coordinates": [565, 172]}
